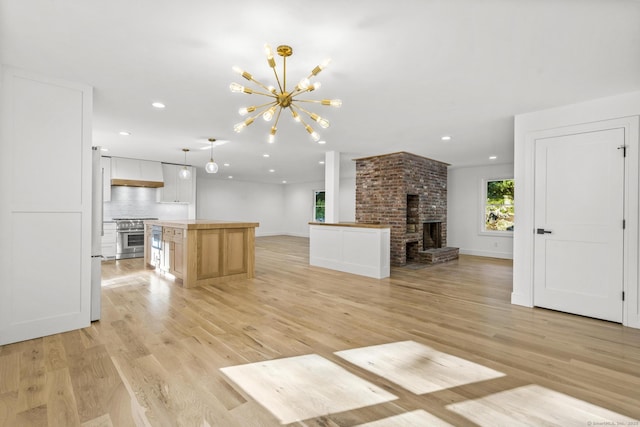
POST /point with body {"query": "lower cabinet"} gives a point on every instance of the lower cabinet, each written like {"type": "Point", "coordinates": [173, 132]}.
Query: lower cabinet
{"type": "Point", "coordinates": [223, 252]}
{"type": "Point", "coordinates": [109, 238]}
{"type": "Point", "coordinates": [172, 259]}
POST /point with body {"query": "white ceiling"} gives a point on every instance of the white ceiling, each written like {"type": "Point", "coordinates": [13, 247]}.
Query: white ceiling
{"type": "Point", "coordinates": [407, 71]}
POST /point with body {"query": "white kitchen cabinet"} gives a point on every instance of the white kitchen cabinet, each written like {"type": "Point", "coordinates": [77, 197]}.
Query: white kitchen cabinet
{"type": "Point", "coordinates": [139, 173]}
{"type": "Point", "coordinates": [109, 240]}
{"type": "Point", "coordinates": [105, 164]}
{"type": "Point", "coordinates": [176, 189]}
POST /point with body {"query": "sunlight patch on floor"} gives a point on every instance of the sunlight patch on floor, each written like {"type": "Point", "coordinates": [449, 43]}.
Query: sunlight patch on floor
{"type": "Point", "coordinates": [303, 387]}
{"type": "Point", "coordinates": [534, 405]}
{"type": "Point", "coordinates": [417, 367]}
{"type": "Point", "coordinates": [409, 419]}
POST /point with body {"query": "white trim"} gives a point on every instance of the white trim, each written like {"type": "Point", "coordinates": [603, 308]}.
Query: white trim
{"type": "Point", "coordinates": [487, 254]}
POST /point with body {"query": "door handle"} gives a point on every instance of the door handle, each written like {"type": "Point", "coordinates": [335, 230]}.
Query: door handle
{"type": "Point", "coordinates": [543, 231]}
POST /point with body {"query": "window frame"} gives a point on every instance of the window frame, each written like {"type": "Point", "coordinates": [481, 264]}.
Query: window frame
{"type": "Point", "coordinates": [483, 204]}
{"type": "Point", "coordinates": [315, 206]}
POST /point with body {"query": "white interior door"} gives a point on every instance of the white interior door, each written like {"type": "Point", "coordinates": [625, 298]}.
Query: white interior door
{"type": "Point", "coordinates": [579, 209]}
{"type": "Point", "coordinates": [45, 213]}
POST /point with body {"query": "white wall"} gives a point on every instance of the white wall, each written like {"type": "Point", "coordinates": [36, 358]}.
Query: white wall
{"type": "Point", "coordinates": [223, 199]}
{"type": "Point", "coordinates": [531, 124]}
{"type": "Point", "coordinates": [464, 212]}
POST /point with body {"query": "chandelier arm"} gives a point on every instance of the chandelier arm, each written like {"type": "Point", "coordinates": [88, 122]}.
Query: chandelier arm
{"type": "Point", "coordinates": [251, 119]}
{"type": "Point", "coordinates": [269, 104]}
{"type": "Point", "coordinates": [275, 124]}
{"type": "Point", "coordinates": [270, 95]}
{"type": "Point", "coordinates": [307, 112]}
{"type": "Point", "coordinates": [275, 73]}
{"type": "Point", "coordinates": [302, 122]}
{"type": "Point", "coordinates": [265, 87]}
{"type": "Point", "coordinates": [313, 101]}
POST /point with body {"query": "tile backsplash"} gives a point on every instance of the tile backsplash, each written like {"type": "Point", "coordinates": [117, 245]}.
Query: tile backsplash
{"type": "Point", "coordinates": [136, 202]}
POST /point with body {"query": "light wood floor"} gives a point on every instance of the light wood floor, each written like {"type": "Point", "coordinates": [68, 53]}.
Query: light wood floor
{"type": "Point", "coordinates": [155, 357]}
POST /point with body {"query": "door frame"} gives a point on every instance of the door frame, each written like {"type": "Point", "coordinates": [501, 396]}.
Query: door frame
{"type": "Point", "coordinates": [524, 173]}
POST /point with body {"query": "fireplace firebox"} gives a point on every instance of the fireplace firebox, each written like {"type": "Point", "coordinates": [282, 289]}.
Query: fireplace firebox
{"type": "Point", "coordinates": [432, 235]}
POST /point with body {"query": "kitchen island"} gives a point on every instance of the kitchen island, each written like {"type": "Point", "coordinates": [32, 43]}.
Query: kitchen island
{"type": "Point", "coordinates": [201, 252]}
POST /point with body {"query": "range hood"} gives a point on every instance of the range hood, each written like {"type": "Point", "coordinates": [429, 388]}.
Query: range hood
{"type": "Point", "coordinates": [136, 173]}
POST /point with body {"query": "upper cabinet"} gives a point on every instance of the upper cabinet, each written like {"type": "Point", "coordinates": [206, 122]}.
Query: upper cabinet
{"type": "Point", "coordinates": [139, 173]}
{"type": "Point", "coordinates": [176, 189]}
{"type": "Point", "coordinates": [105, 165]}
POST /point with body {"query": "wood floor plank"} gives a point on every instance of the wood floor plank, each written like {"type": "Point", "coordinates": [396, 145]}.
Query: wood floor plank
{"type": "Point", "coordinates": [61, 401]}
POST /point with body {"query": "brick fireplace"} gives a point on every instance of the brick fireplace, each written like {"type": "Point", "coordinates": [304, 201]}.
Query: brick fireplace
{"type": "Point", "coordinates": [409, 193]}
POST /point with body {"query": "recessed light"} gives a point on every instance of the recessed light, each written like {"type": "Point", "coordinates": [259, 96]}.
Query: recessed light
{"type": "Point", "coordinates": [265, 155]}
{"type": "Point", "coordinates": [104, 149]}
{"type": "Point", "coordinates": [226, 164]}
{"type": "Point", "coordinates": [493, 157]}
{"type": "Point", "coordinates": [124, 133]}
{"type": "Point", "coordinates": [158, 105]}
{"type": "Point", "coordinates": [230, 177]}
{"type": "Point", "coordinates": [321, 162]}
{"type": "Point", "coordinates": [284, 182]}
{"type": "Point", "coordinates": [446, 138]}
{"type": "Point", "coordinates": [272, 170]}
{"type": "Point", "coordinates": [322, 142]}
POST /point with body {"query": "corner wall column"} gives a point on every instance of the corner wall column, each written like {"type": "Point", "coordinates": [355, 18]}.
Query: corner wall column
{"type": "Point", "coordinates": [332, 186]}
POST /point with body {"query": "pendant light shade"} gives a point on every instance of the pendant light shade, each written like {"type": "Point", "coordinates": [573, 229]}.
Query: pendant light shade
{"type": "Point", "coordinates": [185, 173]}
{"type": "Point", "coordinates": [211, 166]}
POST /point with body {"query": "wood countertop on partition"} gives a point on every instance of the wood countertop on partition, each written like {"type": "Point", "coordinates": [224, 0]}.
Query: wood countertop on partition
{"type": "Point", "coordinates": [351, 224]}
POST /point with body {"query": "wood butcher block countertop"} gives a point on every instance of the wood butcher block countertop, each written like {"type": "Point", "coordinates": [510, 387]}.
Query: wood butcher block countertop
{"type": "Point", "coordinates": [351, 224]}
{"type": "Point", "coordinates": [202, 224]}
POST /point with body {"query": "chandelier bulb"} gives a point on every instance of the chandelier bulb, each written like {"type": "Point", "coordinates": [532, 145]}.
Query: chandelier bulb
{"type": "Point", "coordinates": [269, 52]}
{"type": "Point", "coordinates": [324, 123]}
{"type": "Point", "coordinates": [315, 136]}
{"type": "Point", "coordinates": [236, 88]}
{"type": "Point", "coordinates": [272, 89]}
{"type": "Point", "coordinates": [314, 86]}
{"type": "Point", "coordinates": [295, 115]}
{"type": "Point", "coordinates": [304, 84]}
{"type": "Point", "coordinates": [242, 72]}
{"type": "Point", "coordinates": [272, 139]}
{"type": "Point", "coordinates": [268, 115]}
{"type": "Point", "coordinates": [332, 102]}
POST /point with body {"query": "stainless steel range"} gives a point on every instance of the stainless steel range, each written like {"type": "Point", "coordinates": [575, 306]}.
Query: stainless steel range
{"type": "Point", "coordinates": [130, 242]}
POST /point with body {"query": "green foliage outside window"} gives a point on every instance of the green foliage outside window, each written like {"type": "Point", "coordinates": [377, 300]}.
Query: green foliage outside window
{"type": "Point", "coordinates": [318, 214]}
{"type": "Point", "coordinates": [499, 205]}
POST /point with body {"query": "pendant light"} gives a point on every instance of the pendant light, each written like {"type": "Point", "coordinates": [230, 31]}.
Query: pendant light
{"type": "Point", "coordinates": [211, 166]}
{"type": "Point", "coordinates": [185, 173]}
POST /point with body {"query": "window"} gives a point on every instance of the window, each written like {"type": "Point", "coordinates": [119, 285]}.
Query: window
{"type": "Point", "coordinates": [318, 206]}
{"type": "Point", "coordinates": [498, 206]}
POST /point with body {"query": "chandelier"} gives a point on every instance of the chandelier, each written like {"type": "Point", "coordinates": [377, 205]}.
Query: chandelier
{"type": "Point", "coordinates": [283, 97]}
